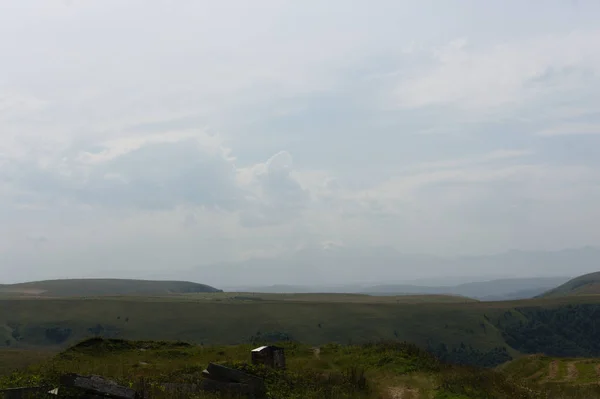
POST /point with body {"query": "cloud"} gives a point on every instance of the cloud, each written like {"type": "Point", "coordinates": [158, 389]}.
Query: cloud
{"type": "Point", "coordinates": [504, 74]}
{"type": "Point", "coordinates": [570, 129]}
{"type": "Point", "coordinates": [166, 171]}
{"type": "Point", "coordinates": [278, 196]}
{"type": "Point", "coordinates": [14, 105]}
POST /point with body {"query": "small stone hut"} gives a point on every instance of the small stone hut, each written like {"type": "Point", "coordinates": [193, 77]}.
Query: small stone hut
{"type": "Point", "coordinates": [270, 356]}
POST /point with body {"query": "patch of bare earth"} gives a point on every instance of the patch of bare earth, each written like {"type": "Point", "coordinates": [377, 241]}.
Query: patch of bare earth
{"type": "Point", "coordinates": [572, 372]}
{"type": "Point", "coordinates": [552, 371]}
{"type": "Point", "coordinates": [403, 393]}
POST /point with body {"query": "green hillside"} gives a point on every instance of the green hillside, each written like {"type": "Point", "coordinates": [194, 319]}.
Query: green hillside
{"type": "Point", "coordinates": [467, 332]}
{"type": "Point", "coordinates": [387, 370]}
{"type": "Point", "coordinates": [588, 284]}
{"type": "Point", "coordinates": [103, 287]}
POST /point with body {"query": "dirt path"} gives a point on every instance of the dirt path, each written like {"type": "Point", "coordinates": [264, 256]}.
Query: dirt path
{"type": "Point", "coordinates": [572, 372]}
{"type": "Point", "coordinates": [403, 393]}
{"type": "Point", "coordinates": [552, 371]}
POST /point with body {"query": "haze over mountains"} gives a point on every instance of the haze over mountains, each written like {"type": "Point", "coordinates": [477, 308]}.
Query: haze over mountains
{"type": "Point", "coordinates": [492, 290]}
{"type": "Point", "coordinates": [386, 271]}
{"type": "Point", "coordinates": [365, 267]}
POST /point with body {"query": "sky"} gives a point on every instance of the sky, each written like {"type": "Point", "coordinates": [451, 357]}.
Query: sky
{"type": "Point", "coordinates": [147, 136]}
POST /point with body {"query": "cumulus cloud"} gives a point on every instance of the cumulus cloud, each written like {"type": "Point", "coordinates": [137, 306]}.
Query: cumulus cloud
{"type": "Point", "coordinates": [166, 171]}
{"type": "Point", "coordinates": [277, 195]}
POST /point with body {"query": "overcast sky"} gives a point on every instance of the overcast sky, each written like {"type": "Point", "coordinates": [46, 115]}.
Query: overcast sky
{"type": "Point", "coordinates": [151, 135]}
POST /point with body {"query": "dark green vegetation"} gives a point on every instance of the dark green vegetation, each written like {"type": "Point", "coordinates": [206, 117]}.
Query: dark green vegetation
{"type": "Point", "coordinates": [457, 330]}
{"type": "Point", "coordinates": [570, 330]}
{"type": "Point", "coordinates": [103, 287]}
{"type": "Point", "coordinates": [389, 370]}
{"type": "Point", "coordinates": [588, 284]}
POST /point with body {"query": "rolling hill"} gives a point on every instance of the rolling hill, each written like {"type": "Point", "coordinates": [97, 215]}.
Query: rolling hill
{"type": "Point", "coordinates": [588, 284]}
{"type": "Point", "coordinates": [103, 287]}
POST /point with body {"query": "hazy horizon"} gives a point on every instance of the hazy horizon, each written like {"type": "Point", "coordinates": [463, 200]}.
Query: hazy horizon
{"type": "Point", "coordinates": [152, 137]}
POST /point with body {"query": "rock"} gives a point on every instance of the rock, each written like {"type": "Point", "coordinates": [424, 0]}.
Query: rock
{"type": "Point", "coordinates": [97, 385]}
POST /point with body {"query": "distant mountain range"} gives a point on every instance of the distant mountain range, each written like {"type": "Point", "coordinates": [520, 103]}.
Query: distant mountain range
{"type": "Point", "coordinates": [357, 269]}
{"type": "Point", "coordinates": [493, 290]}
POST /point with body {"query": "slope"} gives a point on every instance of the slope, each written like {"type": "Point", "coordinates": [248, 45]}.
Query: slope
{"type": "Point", "coordinates": [104, 287]}
{"type": "Point", "coordinates": [588, 284]}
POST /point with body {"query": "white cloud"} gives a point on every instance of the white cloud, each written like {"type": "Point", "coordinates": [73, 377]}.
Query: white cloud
{"type": "Point", "coordinates": [570, 129]}
{"type": "Point", "coordinates": [277, 194]}
{"type": "Point", "coordinates": [504, 74]}
{"type": "Point", "coordinates": [14, 105]}
{"type": "Point", "coordinates": [165, 171]}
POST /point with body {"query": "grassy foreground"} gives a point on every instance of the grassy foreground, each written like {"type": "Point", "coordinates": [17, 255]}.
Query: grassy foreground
{"type": "Point", "coordinates": [391, 370]}
{"type": "Point", "coordinates": [385, 370]}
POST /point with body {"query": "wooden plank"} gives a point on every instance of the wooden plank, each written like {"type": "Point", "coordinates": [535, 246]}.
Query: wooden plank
{"type": "Point", "coordinates": [97, 385]}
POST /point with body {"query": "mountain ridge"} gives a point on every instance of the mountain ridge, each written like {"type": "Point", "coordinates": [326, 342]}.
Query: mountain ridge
{"type": "Point", "coordinates": [587, 284]}
{"type": "Point", "coordinates": [371, 266]}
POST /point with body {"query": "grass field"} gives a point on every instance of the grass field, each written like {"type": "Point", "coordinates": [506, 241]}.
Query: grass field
{"type": "Point", "coordinates": [225, 318]}
{"type": "Point", "coordinates": [241, 318]}
{"type": "Point", "coordinates": [391, 370]}
{"type": "Point", "coordinates": [385, 371]}
{"type": "Point", "coordinates": [11, 359]}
